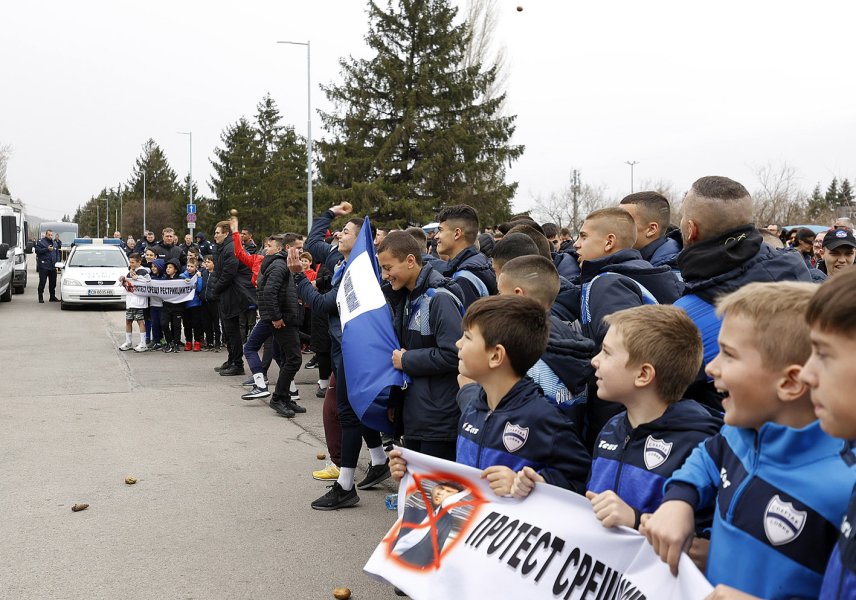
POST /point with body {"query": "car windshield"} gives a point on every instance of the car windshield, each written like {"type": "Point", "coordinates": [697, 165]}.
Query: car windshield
{"type": "Point", "coordinates": [97, 258]}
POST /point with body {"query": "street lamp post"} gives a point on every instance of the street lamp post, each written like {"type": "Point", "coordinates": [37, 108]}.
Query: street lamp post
{"type": "Point", "coordinates": [190, 170]}
{"type": "Point", "coordinates": [308, 132]}
{"type": "Point", "coordinates": [144, 204]}
{"type": "Point", "coordinates": [632, 163]}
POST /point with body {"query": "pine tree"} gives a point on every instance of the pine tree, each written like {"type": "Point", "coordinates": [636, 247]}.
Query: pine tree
{"type": "Point", "coordinates": [832, 194]}
{"type": "Point", "coordinates": [845, 196]}
{"type": "Point", "coordinates": [816, 204]}
{"type": "Point", "coordinates": [413, 128]}
{"type": "Point", "coordinates": [237, 170]}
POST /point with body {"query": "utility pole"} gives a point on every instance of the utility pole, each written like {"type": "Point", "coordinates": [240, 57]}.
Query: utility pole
{"type": "Point", "coordinates": [632, 164]}
{"type": "Point", "coordinates": [144, 204]}
{"type": "Point", "coordinates": [575, 198]}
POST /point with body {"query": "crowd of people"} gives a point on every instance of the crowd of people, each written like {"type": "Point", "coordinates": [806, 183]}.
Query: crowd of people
{"type": "Point", "coordinates": [689, 380]}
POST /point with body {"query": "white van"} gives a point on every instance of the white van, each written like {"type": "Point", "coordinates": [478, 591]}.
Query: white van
{"type": "Point", "coordinates": [8, 242]}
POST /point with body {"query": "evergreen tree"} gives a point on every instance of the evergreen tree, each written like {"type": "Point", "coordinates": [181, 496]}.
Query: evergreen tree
{"type": "Point", "coordinates": [237, 170]}
{"type": "Point", "coordinates": [816, 204]}
{"type": "Point", "coordinates": [165, 202]}
{"type": "Point", "coordinates": [845, 196]}
{"type": "Point", "coordinates": [832, 194]}
{"type": "Point", "coordinates": [414, 128]}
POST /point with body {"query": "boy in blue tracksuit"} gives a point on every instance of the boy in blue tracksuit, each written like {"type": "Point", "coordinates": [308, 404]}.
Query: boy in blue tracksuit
{"type": "Point", "coordinates": [192, 319]}
{"type": "Point", "coordinates": [646, 369]}
{"type": "Point", "coordinates": [506, 422]}
{"type": "Point", "coordinates": [565, 366]}
{"type": "Point", "coordinates": [830, 375]}
{"type": "Point", "coordinates": [776, 480]}
{"type": "Point", "coordinates": [426, 311]}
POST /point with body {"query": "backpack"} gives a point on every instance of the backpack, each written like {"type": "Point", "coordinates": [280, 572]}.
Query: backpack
{"type": "Point", "coordinates": [481, 288]}
{"type": "Point", "coordinates": [585, 312]}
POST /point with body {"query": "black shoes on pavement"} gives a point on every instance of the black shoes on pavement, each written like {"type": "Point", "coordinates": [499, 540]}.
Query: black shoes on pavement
{"type": "Point", "coordinates": [282, 408]}
{"type": "Point", "coordinates": [232, 370]}
{"type": "Point", "coordinates": [312, 364]}
{"type": "Point", "coordinates": [374, 476]}
{"type": "Point", "coordinates": [225, 365]}
{"type": "Point", "coordinates": [336, 498]}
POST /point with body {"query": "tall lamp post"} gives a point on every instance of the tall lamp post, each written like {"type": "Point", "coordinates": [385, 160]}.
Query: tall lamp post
{"type": "Point", "coordinates": [308, 132]}
{"type": "Point", "coordinates": [144, 205]}
{"type": "Point", "coordinates": [632, 164]}
{"type": "Point", "coordinates": [190, 170]}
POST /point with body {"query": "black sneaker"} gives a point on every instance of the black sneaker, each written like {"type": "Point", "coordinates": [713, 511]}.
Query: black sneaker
{"type": "Point", "coordinates": [312, 364]}
{"type": "Point", "coordinates": [336, 498]}
{"type": "Point", "coordinates": [374, 476]}
{"type": "Point", "coordinates": [282, 408]}
{"type": "Point", "coordinates": [293, 405]}
{"type": "Point", "coordinates": [320, 392]}
{"type": "Point", "coordinates": [225, 365]}
{"type": "Point", "coordinates": [167, 348]}
{"type": "Point", "coordinates": [232, 370]}
{"type": "Point", "coordinates": [256, 392]}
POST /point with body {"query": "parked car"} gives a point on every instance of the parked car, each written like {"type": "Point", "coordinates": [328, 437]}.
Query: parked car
{"type": "Point", "coordinates": [91, 274]}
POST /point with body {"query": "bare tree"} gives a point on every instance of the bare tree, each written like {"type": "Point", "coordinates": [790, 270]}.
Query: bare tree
{"type": "Point", "coordinates": [482, 17]}
{"type": "Point", "coordinates": [558, 208]}
{"type": "Point", "coordinates": [779, 199]}
{"type": "Point", "coordinates": [5, 155]}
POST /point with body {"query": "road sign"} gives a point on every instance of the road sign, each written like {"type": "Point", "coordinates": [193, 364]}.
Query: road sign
{"type": "Point", "coordinates": [191, 217]}
{"type": "Point", "coordinates": [191, 209]}
{"type": "Point", "coordinates": [191, 225]}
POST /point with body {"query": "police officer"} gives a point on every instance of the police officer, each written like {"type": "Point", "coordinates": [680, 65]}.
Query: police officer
{"type": "Point", "coordinates": [47, 255]}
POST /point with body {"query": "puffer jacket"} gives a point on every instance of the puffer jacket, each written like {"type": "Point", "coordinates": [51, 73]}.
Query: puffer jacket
{"type": "Point", "coordinates": [473, 262]}
{"type": "Point", "coordinates": [566, 264]}
{"type": "Point", "coordinates": [664, 251]}
{"type": "Point", "coordinates": [525, 430]}
{"type": "Point", "coordinates": [427, 322]}
{"type": "Point", "coordinates": [276, 291]}
{"type": "Point", "coordinates": [232, 287]}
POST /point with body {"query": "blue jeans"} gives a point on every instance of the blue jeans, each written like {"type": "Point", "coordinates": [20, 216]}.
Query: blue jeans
{"type": "Point", "coordinates": [261, 332]}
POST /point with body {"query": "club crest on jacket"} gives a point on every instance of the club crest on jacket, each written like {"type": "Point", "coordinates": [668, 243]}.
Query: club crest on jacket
{"type": "Point", "coordinates": [782, 522]}
{"type": "Point", "coordinates": [656, 452]}
{"type": "Point", "coordinates": [514, 436]}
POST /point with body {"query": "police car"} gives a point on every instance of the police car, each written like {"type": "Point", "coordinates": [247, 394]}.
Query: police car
{"type": "Point", "coordinates": [91, 273]}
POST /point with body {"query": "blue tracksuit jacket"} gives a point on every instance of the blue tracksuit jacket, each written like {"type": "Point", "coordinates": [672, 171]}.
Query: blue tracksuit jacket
{"type": "Point", "coordinates": [635, 463]}
{"type": "Point", "coordinates": [780, 494]}
{"type": "Point", "coordinates": [839, 582]}
{"type": "Point", "coordinates": [525, 430]}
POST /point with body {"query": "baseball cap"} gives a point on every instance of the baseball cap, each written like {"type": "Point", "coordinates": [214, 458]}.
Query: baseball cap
{"type": "Point", "coordinates": [836, 238]}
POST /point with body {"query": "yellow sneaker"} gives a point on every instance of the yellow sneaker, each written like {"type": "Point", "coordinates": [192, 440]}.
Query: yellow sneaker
{"type": "Point", "coordinates": [328, 473]}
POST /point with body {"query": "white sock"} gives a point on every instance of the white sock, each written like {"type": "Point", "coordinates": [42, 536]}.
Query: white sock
{"type": "Point", "coordinates": [378, 456]}
{"type": "Point", "coordinates": [323, 383]}
{"type": "Point", "coordinates": [259, 378]}
{"type": "Point", "coordinates": [292, 388]}
{"type": "Point", "coordinates": [142, 339]}
{"type": "Point", "coordinates": [128, 338]}
{"type": "Point", "coordinates": [346, 478]}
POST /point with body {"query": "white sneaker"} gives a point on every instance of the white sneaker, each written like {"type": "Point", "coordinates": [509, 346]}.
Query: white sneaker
{"type": "Point", "coordinates": [125, 346]}
{"type": "Point", "coordinates": [141, 348]}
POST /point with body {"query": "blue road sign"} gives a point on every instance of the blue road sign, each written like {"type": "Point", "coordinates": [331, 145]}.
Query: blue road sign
{"type": "Point", "coordinates": [191, 209]}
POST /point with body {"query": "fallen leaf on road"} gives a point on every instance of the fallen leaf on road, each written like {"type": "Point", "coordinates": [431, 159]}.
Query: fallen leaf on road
{"type": "Point", "coordinates": [79, 507]}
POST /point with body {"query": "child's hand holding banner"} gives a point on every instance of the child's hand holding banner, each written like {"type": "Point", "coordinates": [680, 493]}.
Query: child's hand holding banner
{"type": "Point", "coordinates": [456, 539]}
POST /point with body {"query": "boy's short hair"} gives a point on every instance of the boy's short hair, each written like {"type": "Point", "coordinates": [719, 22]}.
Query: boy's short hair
{"type": "Point", "coordinates": [466, 217]}
{"type": "Point", "coordinates": [717, 204]}
{"type": "Point", "coordinates": [544, 246]}
{"type": "Point", "coordinates": [833, 307]}
{"type": "Point", "coordinates": [774, 308]}
{"type": "Point", "coordinates": [400, 245]}
{"type": "Point", "coordinates": [517, 323]}
{"type": "Point", "coordinates": [651, 207]}
{"type": "Point", "coordinates": [616, 221]}
{"type": "Point", "coordinates": [358, 221]}
{"type": "Point", "coordinates": [193, 261]}
{"type": "Point", "coordinates": [277, 239]}
{"type": "Point", "coordinates": [665, 337]}
{"type": "Point", "coordinates": [306, 255]}
{"type": "Point", "coordinates": [511, 246]}
{"type": "Point", "coordinates": [418, 234]}
{"type": "Point", "coordinates": [208, 257]}
{"type": "Point", "coordinates": [289, 238]}
{"type": "Point", "coordinates": [135, 256]}
{"type": "Point", "coordinates": [536, 275]}
{"type": "Point", "coordinates": [550, 230]}
{"type": "Point", "coordinates": [223, 226]}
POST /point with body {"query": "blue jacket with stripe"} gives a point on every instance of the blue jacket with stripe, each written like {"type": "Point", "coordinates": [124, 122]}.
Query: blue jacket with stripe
{"type": "Point", "coordinates": [525, 430]}
{"type": "Point", "coordinates": [472, 271]}
{"type": "Point", "coordinates": [635, 463]}
{"type": "Point", "coordinates": [779, 495]}
{"type": "Point", "coordinates": [839, 582]}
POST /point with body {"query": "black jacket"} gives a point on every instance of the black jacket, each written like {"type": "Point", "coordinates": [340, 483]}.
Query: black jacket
{"type": "Point", "coordinates": [428, 324]}
{"type": "Point", "coordinates": [232, 287]}
{"type": "Point", "coordinates": [208, 283]}
{"type": "Point", "coordinates": [166, 252]}
{"type": "Point", "coordinates": [276, 291]}
{"type": "Point", "coordinates": [46, 258]}
{"type": "Point", "coordinates": [470, 259]}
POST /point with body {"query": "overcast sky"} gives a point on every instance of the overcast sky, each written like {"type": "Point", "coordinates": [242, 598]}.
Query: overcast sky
{"type": "Point", "coordinates": [684, 88]}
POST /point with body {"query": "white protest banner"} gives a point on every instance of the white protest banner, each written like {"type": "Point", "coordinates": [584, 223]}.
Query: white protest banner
{"type": "Point", "coordinates": [455, 538]}
{"type": "Point", "coordinates": [171, 290]}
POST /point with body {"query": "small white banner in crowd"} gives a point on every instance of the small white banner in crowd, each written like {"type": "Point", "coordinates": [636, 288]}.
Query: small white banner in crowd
{"type": "Point", "coordinates": [455, 538]}
{"type": "Point", "coordinates": [171, 290]}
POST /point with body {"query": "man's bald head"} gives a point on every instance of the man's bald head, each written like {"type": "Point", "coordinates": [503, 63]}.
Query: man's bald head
{"type": "Point", "coordinates": [713, 206]}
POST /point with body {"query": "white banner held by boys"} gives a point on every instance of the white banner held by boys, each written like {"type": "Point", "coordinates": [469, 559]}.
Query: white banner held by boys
{"type": "Point", "coordinates": [456, 539]}
{"type": "Point", "coordinates": [171, 290]}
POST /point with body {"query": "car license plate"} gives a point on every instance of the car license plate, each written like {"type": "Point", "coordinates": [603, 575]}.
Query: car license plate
{"type": "Point", "coordinates": [100, 292]}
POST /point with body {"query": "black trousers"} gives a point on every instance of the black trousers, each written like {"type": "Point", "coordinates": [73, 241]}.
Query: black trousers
{"type": "Point", "coordinates": [232, 335]}
{"type": "Point", "coordinates": [290, 359]}
{"type": "Point", "coordinates": [211, 322]}
{"type": "Point", "coordinates": [246, 320]}
{"type": "Point", "coordinates": [325, 365]}
{"type": "Point", "coordinates": [170, 318]}
{"type": "Point", "coordinates": [193, 324]}
{"type": "Point", "coordinates": [353, 432]}
{"type": "Point", "coordinates": [440, 449]}
{"type": "Point", "coordinates": [50, 277]}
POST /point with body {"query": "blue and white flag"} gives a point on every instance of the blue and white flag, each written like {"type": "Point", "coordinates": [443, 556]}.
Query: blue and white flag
{"type": "Point", "coordinates": [368, 336]}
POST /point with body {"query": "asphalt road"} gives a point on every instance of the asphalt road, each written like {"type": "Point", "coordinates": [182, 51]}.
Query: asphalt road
{"type": "Point", "coordinates": [221, 509]}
